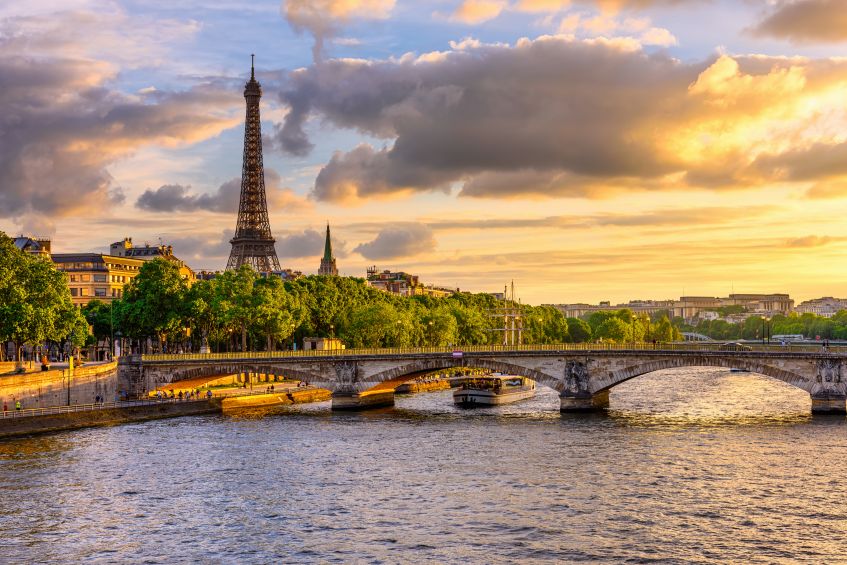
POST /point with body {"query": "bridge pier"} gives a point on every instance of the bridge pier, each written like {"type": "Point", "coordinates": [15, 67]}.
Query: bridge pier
{"type": "Point", "coordinates": [584, 402]}
{"type": "Point", "coordinates": [829, 404]}
{"type": "Point", "coordinates": [354, 401]}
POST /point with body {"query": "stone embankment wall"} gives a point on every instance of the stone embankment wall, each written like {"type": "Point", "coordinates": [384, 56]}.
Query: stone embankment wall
{"type": "Point", "coordinates": [55, 388]}
{"type": "Point", "coordinates": [291, 396]}
{"type": "Point", "coordinates": [12, 427]}
{"type": "Point", "coordinates": [423, 386]}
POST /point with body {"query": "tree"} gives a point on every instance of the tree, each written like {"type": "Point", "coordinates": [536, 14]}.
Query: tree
{"type": "Point", "coordinates": [579, 330]}
{"type": "Point", "coordinates": [99, 315]}
{"type": "Point", "coordinates": [613, 329]}
{"type": "Point", "coordinates": [272, 311]}
{"type": "Point", "coordinates": [35, 302]}
{"type": "Point", "coordinates": [155, 302]}
{"type": "Point", "coordinates": [440, 327]}
{"type": "Point", "coordinates": [234, 301]}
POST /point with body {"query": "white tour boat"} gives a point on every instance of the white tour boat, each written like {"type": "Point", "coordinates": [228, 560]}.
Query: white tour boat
{"type": "Point", "coordinates": [493, 390]}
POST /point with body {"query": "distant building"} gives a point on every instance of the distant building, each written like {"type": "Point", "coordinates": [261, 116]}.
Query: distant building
{"type": "Point", "coordinates": [96, 276]}
{"type": "Point", "coordinates": [690, 307]}
{"type": "Point", "coordinates": [328, 261]}
{"type": "Point", "coordinates": [638, 306]}
{"type": "Point", "coordinates": [34, 245]}
{"type": "Point", "coordinates": [826, 306]}
{"type": "Point", "coordinates": [404, 284]}
{"type": "Point", "coordinates": [103, 277]}
{"type": "Point", "coordinates": [312, 343]}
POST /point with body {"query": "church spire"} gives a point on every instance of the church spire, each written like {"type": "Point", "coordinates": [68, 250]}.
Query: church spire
{"type": "Point", "coordinates": [328, 261]}
{"type": "Point", "coordinates": [328, 245]}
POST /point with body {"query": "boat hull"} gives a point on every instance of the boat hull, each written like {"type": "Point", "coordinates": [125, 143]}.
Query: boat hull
{"type": "Point", "coordinates": [469, 398]}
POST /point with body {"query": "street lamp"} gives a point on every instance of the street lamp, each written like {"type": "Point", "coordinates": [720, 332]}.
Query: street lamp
{"type": "Point", "coordinates": [430, 333]}
{"type": "Point", "coordinates": [763, 329]}
{"type": "Point", "coordinates": [632, 323]}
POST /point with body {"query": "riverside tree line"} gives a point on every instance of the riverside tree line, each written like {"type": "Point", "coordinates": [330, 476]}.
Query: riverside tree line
{"type": "Point", "coordinates": [240, 310]}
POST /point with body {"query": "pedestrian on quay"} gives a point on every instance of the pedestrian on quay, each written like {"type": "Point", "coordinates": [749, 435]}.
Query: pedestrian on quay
{"type": "Point", "coordinates": [209, 394]}
{"type": "Point", "coordinates": [5, 407]}
{"type": "Point", "coordinates": [17, 405]}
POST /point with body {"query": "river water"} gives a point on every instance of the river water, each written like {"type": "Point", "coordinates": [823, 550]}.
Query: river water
{"type": "Point", "coordinates": [688, 466]}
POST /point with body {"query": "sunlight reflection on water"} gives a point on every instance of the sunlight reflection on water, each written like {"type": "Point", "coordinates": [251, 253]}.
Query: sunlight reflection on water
{"type": "Point", "coordinates": [690, 465]}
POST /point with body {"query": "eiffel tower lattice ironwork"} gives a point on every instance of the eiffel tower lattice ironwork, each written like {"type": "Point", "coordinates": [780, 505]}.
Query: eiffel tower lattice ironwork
{"type": "Point", "coordinates": [253, 243]}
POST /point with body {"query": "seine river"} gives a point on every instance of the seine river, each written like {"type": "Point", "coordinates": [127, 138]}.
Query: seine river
{"type": "Point", "coordinates": [689, 466]}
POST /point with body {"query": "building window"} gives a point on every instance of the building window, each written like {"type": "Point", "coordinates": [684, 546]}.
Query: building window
{"type": "Point", "coordinates": [83, 292]}
{"type": "Point", "coordinates": [73, 278]}
{"type": "Point", "coordinates": [74, 291]}
{"type": "Point", "coordinates": [99, 278]}
{"type": "Point", "coordinates": [100, 292]}
{"type": "Point", "coordinates": [85, 278]}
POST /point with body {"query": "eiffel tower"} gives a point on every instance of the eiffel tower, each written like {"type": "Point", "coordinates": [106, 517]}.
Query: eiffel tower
{"type": "Point", "coordinates": [253, 243]}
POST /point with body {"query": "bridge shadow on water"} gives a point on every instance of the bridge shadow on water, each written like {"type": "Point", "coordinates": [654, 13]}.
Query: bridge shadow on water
{"type": "Point", "coordinates": [671, 399]}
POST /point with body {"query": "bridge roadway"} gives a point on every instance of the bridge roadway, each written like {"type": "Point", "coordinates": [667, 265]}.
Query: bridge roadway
{"type": "Point", "coordinates": [583, 374]}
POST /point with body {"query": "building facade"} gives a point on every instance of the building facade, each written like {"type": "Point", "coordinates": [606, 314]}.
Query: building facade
{"type": "Point", "coordinates": [404, 284]}
{"type": "Point", "coordinates": [638, 306]}
{"type": "Point", "coordinates": [96, 276]}
{"type": "Point", "coordinates": [826, 306]}
{"type": "Point", "coordinates": [689, 307]}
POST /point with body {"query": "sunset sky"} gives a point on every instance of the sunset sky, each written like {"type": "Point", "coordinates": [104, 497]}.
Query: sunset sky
{"type": "Point", "coordinates": [588, 149]}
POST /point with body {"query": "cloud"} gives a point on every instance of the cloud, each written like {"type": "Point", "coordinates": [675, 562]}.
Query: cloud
{"type": "Point", "coordinates": [63, 129]}
{"type": "Point", "coordinates": [322, 18]}
{"type": "Point", "coordinates": [608, 6]}
{"type": "Point", "coordinates": [308, 243]}
{"type": "Point", "coordinates": [398, 240]}
{"type": "Point", "coordinates": [178, 198]}
{"type": "Point", "coordinates": [477, 11]}
{"type": "Point", "coordinates": [805, 21]}
{"type": "Point", "coordinates": [809, 241]}
{"type": "Point", "coordinates": [202, 251]}
{"type": "Point", "coordinates": [497, 121]}
{"type": "Point", "coordinates": [64, 124]}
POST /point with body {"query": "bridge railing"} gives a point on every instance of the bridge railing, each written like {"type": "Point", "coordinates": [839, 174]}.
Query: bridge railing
{"type": "Point", "coordinates": [456, 350]}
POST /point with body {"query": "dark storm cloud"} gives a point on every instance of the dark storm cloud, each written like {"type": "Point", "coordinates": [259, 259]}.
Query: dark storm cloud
{"type": "Point", "coordinates": [548, 117]}
{"type": "Point", "coordinates": [820, 160]}
{"type": "Point", "coordinates": [399, 240]}
{"type": "Point", "coordinates": [202, 251]}
{"type": "Point", "coordinates": [61, 128]}
{"type": "Point", "coordinates": [806, 21]}
{"type": "Point", "coordinates": [178, 198]}
{"type": "Point", "coordinates": [547, 105]}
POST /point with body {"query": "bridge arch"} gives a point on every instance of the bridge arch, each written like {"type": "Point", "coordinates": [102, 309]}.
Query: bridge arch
{"type": "Point", "coordinates": [402, 373]}
{"type": "Point", "coordinates": [630, 372]}
{"type": "Point", "coordinates": [223, 369]}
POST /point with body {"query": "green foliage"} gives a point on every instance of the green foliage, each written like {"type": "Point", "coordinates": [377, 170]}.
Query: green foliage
{"type": "Point", "coordinates": [580, 331]}
{"type": "Point", "coordinates": [154, 302]}
{"type": "Point", "coordinates": [35, 302]}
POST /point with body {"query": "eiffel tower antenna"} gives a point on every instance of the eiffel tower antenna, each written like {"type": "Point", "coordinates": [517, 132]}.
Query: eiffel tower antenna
{"type": "Point", "coordinates": [253, 243]}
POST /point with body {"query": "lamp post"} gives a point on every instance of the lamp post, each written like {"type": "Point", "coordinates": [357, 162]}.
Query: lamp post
{"type": "Point", "coordinates": [632, 324]}
{"type": "Point", "coordinates": [763, 330]}
{"type": "Point", "coordinates": [112, 328]}
{"type": "Point", "coordinates": [430, 333]}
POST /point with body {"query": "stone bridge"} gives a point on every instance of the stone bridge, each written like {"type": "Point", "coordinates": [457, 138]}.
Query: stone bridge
{"type": "Point", "coordinates": [582, 376]}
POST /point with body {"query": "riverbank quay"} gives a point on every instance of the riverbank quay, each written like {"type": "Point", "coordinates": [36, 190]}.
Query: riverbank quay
{"type": "Point", "coordinates": [60, 386]}
{"type": "Point", "coordinates": [278, 398]}
{"type": "Point", "coordinates": [415, 387]}
{"type": "Point", "coordinates": [16, 423]}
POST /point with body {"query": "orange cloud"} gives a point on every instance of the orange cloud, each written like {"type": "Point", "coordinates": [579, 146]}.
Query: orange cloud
{"type": "Point", "coordinates": [477, 11]}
